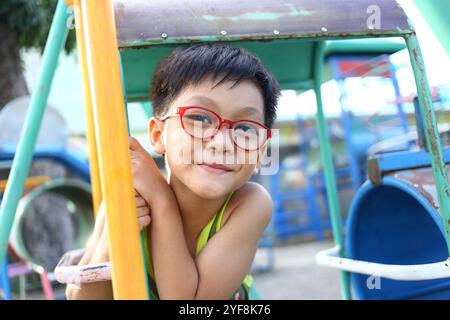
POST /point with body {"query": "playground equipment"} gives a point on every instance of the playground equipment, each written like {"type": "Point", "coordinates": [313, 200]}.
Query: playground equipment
{"type": "Point", "coordinates": [343, 59]}
{"type": "Point", "coordinates": [54, 216]}
{"type": "Point", "coordinates": [64, 230]}
{"type": "Point", "coordinates": [288, 36]}
{"type": "Point", "coordinates": [296, 211]}
{"type": "Point", "coordinates": [395, 232]}
{"type": "Point", "coordinates": [362, 60]}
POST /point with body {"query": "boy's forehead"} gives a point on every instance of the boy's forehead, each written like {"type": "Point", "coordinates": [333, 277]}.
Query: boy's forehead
{"type": "Point", "coordinates": [243, 93]}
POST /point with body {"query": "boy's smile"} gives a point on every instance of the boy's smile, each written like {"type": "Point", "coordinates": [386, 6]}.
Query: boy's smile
{"type": "Point", "coordinates": [215, 168]}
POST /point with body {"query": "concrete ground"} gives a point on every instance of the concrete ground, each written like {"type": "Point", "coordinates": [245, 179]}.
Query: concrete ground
{"type": "Point", "coordinates": [295, 275]}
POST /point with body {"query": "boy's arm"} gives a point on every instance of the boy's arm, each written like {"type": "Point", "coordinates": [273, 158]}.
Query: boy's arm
{"type": "Point", "coordinates": [222, 265]}
{"type": "Point", "coordinates": [175, 271]}
{"type": "Point", "coordinates": [96, 235]}
{"type": "Point", "coordinates": [96, 252]}
{"type": "Point", "coordinates": [227, 258]}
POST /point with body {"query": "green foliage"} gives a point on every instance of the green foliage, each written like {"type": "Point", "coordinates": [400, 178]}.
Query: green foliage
{"type": "Point", "coordinates": [31, 20]}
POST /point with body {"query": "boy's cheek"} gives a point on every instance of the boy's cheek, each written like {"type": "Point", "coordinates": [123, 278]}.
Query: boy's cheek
{"type": "Point", "coordinates": [247, 158]}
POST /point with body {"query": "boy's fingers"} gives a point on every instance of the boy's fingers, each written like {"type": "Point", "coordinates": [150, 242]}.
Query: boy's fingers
{"type": "Point", "coordinates": [142, 212]}
{"type": "Point", "coordinates": [140, 202]}
{"type": "Point", "coordinates": [143, 222]}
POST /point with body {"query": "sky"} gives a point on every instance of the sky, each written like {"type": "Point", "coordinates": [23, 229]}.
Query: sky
{"type": "Point", "coordinates": [364, 98]}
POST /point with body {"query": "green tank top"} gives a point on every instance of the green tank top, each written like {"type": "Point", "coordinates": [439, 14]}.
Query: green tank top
{"type": "Point", "coordinates": [213, 226]}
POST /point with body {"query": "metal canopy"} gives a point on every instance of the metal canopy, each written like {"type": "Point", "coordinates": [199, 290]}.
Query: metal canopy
{"type": "Point", "coordinates": [283, 34]}
{"type": "Point", "coordinates": [143, 22]}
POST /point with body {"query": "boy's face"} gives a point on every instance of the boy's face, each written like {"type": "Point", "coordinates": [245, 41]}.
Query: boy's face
{"type": "Point", "coordinates": [194, 162]}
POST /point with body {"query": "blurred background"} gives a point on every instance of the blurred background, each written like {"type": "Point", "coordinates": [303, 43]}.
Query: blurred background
{"type": "Point", "coordinates": [368, 101]}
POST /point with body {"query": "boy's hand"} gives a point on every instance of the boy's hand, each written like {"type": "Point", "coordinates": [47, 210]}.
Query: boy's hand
{"type": "Point", "coordinates": [143, 211]}
{"type": "Point", "coordinates": [148, 180]}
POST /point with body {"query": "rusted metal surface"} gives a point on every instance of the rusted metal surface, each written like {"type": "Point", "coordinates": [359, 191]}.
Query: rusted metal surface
{"type": "Point", "coordinates": [383, 164]}
{"type": "Point", "coordinates": [141, 21]}
{"type": "Point", "coordinates": [431, 132]}
{"type": "Point", "coordinates": [422, 180]}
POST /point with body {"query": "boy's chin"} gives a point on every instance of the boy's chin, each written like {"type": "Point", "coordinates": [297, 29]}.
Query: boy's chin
{"type": "Point", "coordinates": [209, 190]}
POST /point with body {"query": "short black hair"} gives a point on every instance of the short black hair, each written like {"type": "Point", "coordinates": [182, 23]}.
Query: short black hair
{"type": "Point", "coordinates": [189, 65]}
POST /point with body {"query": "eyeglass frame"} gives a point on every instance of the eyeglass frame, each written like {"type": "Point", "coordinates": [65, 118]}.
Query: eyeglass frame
{"type": "Point", "coordinates": [181, 110]}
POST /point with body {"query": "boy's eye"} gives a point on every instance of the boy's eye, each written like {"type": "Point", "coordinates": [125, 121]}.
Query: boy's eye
{"type": "Point", "coordinates": [198, 118]}
{"type": "Point", "coordinates": [244, 128]}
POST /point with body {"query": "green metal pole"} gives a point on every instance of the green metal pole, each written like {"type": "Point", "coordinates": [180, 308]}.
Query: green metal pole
{"type": "Point", "coordinates": [141, 236]}
{"type": "Point", "coordinates": [327, 159]}
{"type": "Point", "coordinates": [431, 133]}
{"type": "Point", "coordinates": [24, 153]}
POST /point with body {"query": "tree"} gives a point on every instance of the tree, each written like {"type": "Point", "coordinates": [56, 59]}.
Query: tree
{"type": "Point", "coordinates": [23, 24]}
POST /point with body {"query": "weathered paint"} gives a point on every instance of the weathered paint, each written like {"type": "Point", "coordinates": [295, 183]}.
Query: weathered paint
{"type": "Point", "coordinates": [263, 16]}
{"type": "Point", "coordinates": [386, 163]}
{"type": "Point", "coordinates": [204, 19]}
{"type": "Point", "coordinates": [138, 44]}
{"type": "Point", "coordinates": [248, 16]}
{"type": "Point", "coordinates": [296, 12]}
{"type": "Point", "coordinates": [431, 132]}
{"type": "Point", "coordinates": [423, 181]}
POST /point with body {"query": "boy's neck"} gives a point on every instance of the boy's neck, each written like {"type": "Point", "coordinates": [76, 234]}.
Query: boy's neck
{"type": "Point", "coordinates": [195, 211]}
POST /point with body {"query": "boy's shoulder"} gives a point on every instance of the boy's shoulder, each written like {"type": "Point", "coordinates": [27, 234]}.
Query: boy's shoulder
{"type": "Point", "coordinates": [251, 198]}
{"type": "Point", "coordinates": [251, 189]}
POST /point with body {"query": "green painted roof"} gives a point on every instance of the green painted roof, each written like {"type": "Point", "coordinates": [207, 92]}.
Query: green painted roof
{"type": "Point", "coordinates": [436, 13]}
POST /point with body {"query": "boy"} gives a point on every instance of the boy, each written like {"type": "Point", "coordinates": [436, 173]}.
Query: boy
{"type": "Point", "coordinates": [213, 109]}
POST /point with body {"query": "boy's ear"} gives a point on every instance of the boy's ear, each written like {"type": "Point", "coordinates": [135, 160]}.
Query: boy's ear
{"type": "Point", "coordinates": [155, 131]}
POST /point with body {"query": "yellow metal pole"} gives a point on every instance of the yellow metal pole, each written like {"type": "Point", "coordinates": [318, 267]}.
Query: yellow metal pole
{"type": "Point", "coordinates": [114, 157]}
{"type": "Point", "coordinates": [31, 182]}
{"type": "Point", "coordinates": [89, 115]}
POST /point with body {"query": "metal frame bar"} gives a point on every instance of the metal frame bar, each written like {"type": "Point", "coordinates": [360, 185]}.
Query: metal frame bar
{"type": "Point", "coordinates": [330, 178]}
{"type": "Point", "coordinates": [429, 271]}
{"type": "Point", "coordinates": [142, 234]}
{"type": "Point", "coordinates": [431, 132]}
{"type": "Point", "coordinates": [24, 153]}
{"type": "Point", "coordinates": [89, 115]}
{"type": "Point", "coordinates": [103, 62]}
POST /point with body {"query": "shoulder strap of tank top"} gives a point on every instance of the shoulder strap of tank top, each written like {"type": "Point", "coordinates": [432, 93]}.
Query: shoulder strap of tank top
{"type": "Point", "coordinates": [212, 227]}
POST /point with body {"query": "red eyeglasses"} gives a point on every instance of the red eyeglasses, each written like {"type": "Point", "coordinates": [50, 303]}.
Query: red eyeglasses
{"type": "Point", "coordinates": [202, 123]}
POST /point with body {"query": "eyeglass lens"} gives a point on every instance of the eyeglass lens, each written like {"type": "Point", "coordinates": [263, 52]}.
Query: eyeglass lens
{"type": "Point", "coordinates": [203, 124]}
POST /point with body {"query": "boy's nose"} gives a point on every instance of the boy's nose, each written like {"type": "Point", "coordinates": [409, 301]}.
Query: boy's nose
{"type": "Point", "coordinates": [223, 140]}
